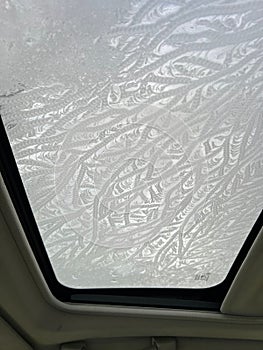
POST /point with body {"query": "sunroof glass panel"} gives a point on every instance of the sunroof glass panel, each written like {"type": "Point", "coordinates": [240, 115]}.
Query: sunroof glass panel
{"type": "Point", "coordinates": [137, 130]}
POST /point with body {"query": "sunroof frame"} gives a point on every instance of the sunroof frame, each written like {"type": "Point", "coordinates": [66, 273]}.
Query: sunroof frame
{"type": "Point", "coordinates": [197, 298]}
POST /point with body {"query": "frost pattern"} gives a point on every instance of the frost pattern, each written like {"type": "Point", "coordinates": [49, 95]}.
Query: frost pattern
{"type": "Point", "coordinates": [137, 130]}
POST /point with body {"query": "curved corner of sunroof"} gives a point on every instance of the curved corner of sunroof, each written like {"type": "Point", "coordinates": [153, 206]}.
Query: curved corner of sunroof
{"type": "Point", "coordinates": [137, 130]}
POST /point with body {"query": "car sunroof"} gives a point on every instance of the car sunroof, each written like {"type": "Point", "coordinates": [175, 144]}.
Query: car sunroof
{"type": "Point", "coordinates": [137, 130]}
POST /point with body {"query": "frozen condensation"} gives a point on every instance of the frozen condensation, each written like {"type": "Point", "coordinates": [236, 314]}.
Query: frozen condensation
{"type": "Point", "coordinates": [137, 130]}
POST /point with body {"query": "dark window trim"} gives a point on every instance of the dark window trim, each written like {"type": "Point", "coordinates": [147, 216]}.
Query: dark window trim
{"type": "Point", "coordinates": [203, 298]}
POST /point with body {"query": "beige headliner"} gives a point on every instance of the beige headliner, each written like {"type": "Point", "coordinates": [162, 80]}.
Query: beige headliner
{"type": "Point", "coordinates": [28, 305]}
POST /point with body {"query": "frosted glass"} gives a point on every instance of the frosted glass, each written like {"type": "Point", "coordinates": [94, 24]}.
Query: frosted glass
{"type": "Point", "coordinates": [137, 130]}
